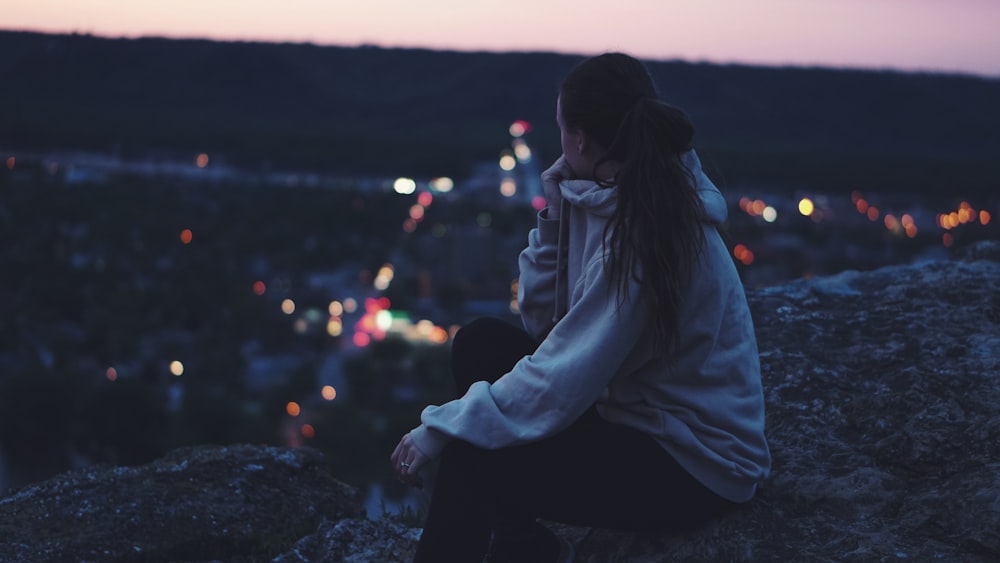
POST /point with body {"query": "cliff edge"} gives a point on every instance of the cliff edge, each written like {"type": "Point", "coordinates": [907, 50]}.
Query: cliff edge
{"type": "Point", "coordinates": [883, 397]}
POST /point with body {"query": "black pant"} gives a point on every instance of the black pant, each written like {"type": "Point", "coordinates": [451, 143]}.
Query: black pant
{"type": "Point", "coordinates": [594, 473]}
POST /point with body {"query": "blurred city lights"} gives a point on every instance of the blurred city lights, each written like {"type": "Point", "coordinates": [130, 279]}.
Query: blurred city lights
{"type": "Point", "coordinates": [201, 160]}
{"type": "Point", "coordinates": [350, 305]}
{"type": "Point", "coordinates": [769, 214]}
{"type": "Point", "coordinates": [384, 277]}
{"type": "Point", "coordinates": [508, 187]}
{"type": "Point", "coordinates": [335, 327]}
{"type": "Point", "coordinates": [176, 368]}
{"type": "Point", "coordinates": [308, 431]}
{"type": "Point", "coordinates": [292, 408]}
{"type": "Point", "coordinates": [538, 203]}
{"type": "Point", "coordinates": [522, 151]}
{"type": "Point", "coordinates": [336, 308]}
{"type": "Point", "coordinates": [361, 339]}
{"type": "Point", "coordinates": [442, 184]}
{"type": "Point", "coordinates": [329, 393]}
{"type": "Point", "coordinates": [984, 217]}
{"type": "Point", "coordinates": [259, 287]}
{"type": "Point", "coordinates": [425, 198]}
{"type": "Point", "coordinates": [288, 306]}
{"type": "Point", "coordinates": [519, 128]}
{"type": "Point", "coordinates": [743, 254]}
{"type": "Point", "coordinates": [404, 186]}
{"type": "Point", "coordinates": [873, 213]}
{"type": "Point", "coordinates": [507, 162]}
{"type": "Point", "coordinates": [111, 374]}
{"type": "Point", "coordinates": [186, 236]}
{"type": "Point", "coordinates": [383, 320]}
{"type": "Point", "coordinates": [806, 206]}
{"type": "Point", "coordinates": [417, 212]}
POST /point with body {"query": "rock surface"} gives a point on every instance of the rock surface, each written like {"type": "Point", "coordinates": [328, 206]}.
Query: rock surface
{"type": "Point", "coordinates": [883, 397]}
{"type": "Point", "coordinates": [241, 503]}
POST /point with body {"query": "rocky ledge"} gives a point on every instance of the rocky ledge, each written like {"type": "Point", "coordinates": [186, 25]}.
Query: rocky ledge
{"type": "Point", "coordinates": [883, 396]}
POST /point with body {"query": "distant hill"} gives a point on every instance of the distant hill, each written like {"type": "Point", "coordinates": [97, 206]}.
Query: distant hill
{"type": "Point", "coordinates": [382, 111]}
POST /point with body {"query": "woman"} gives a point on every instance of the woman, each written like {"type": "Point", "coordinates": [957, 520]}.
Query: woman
{"type": "Point", "coordinates": [633, 399]}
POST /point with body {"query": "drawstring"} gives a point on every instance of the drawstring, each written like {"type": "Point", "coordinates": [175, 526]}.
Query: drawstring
{"type": "Point", "coordinates": [561, 260]}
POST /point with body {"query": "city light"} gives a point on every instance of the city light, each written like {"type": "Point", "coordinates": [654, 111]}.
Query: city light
{"type": "Point", "coordinates": [111, 374]}
{"type": "Point", "coordinates": [329, 393]}
{"type": "Point", "coordinates": [522, 151]}
{"type": "Point", "coordinates": [404, 186]}
{"type": "Point", "coordinates": [806, 206]}
{"type": "Point", "coordinates": [288, 306]}
{"type": "Point", "coordinates": [743, 254]}
{"type": "Point", "coordinates": [384, 277]}
{"type": "Point", "coordinates": [417, 212]}
{"type": "Point", "coordinates": [201, 160]}
{"type": "Point", "coordinates": [442, 184]}
{"type": "Point", "coordinates": [186, 236]}
{"type": "Point", "coordinates": [519, 128]}
{"type": "Point", "coordinates": [259, 287]}
{"type": "Point", "coordinates": [176, 368]}
{"type": "Point", "coordinates": [350, 305]}
{"type": "Point", "coordinates": [507, 162]}
{"type": "Point", "coordinates": [508, 187]}
{"type": "Point", "coordinates": [335, 327]}
{"type": "Point", "coordinates": [361, 339]}
{"type": "Point", "coordinates": [308, 431]}
{"type": "Point", "coordinates": [769, 214]}
{"type": "Point", "coordinates": [425, 198]}
{"type": "Point", "coordinates": [292, 408]}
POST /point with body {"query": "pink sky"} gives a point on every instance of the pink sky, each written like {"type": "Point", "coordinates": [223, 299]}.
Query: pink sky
{"type": "Point", "coordinates": [936, 35]}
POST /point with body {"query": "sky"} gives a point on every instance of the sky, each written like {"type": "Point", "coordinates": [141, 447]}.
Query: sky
{"type": "Point", "coordinates": [959, 36]}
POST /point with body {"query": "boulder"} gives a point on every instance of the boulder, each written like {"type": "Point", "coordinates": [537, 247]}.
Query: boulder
{"type": "Point", "coordinates": [883, 398]}
{"type": "Point", "coordinates": [240, 503]}
{"type": "Point", "coordinates": [883, 416]}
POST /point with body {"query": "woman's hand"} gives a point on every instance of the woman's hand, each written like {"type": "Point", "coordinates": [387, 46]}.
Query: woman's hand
{"type": "Point", "coordinates": [556, 173]}
{"type": "Point", "coordinates": [407, 461]}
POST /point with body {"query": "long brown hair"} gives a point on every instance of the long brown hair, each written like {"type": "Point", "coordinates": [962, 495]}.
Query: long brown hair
{"type": "Point", "coordinates": [655, 234]}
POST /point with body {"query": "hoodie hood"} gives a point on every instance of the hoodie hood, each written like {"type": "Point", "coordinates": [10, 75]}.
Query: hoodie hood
{"type": "Point", "coordinates": [602, 201]}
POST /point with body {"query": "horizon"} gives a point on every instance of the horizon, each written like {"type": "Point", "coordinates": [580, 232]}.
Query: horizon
{"type": "Point", "coordinates": [922, 36]}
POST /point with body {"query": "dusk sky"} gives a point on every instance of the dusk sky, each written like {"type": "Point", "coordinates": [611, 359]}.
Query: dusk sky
{"type": "Point", "coordinates": [935, 35]}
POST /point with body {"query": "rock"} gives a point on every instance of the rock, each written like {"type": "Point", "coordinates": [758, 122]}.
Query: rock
{"type": "Point", "coordinates": [883, 397]}
{"type": "Point", "coordinates": [241, 503]}
{"type": "Point", "coordinates": [883, 415]}
{"type": "Point", "coordinates": [355, 540]}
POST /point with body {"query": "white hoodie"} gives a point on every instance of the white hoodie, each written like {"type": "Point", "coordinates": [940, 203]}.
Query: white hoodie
{"type": "Point", "coordinates": [705, 406]}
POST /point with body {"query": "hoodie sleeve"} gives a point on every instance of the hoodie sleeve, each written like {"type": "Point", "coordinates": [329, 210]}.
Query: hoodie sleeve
{"type": "Point", "coordinates": [537, 284]}
{"type": "Point", "coordinates": [549, 389]}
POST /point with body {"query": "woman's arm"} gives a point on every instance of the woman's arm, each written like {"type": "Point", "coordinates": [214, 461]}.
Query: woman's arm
{"type": "Point", "coordinates": [549, 389]}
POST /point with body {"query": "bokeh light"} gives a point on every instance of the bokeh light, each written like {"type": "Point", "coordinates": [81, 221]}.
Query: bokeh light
{"type": "Point", "coordinates": [404, 186]}
{"type": "Point", "coordinates": [806, 206]}
{"type": "Point", "coordinates": [176, 368]}
{"type": "Point", "coordinates": [329, 393]}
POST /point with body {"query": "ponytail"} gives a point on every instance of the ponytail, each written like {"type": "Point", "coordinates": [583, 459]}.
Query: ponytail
{"type": "Point", "coordinates": [655, 234]}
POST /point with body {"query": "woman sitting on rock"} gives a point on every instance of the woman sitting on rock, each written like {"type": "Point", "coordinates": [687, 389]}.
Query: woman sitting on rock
{"type": "Point", "coordinates": [633, 399]}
